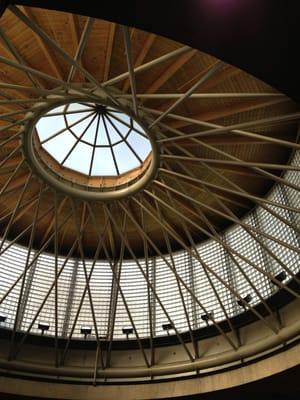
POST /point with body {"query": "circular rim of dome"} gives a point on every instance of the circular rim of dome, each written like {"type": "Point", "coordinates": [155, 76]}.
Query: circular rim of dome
{"type": "Point", "coordinates": [40, 164]}
{"type": "Point", "coordinates": [188, 331]}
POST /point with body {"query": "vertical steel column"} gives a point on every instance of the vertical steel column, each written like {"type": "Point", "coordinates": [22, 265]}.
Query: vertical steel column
{"type": "Point", "coordinates": [69, 306]}
{"type": "Point", "coordinates": [152, 280]}
{"type": "Point", "coordinates": [228, 268]}
{"type": "Point", "coordinates": [291, 216]}
{"type": "Point", "coordinates": [267, 262]}
{"type": "Point", "coordinates": [191, 283]}
{"type": "Point", "coordinates": [25, 296]}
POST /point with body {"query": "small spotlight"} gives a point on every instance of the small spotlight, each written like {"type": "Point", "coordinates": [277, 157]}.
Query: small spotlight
{"type": "Point", "coordinates": [281, 276]}
{"type": "Point", "coordinates": [2, 318]}
{"type": "Point", "coordinates": [246, 299]}
{"type": "Point", "coordinates": [85, 330]}
{"type": "Point", "coordinates": [127, 332]}
{"type": "Point", "coordinates": [207, 317]}
{"type": "Point", "coordinates": [167, 327]}
{"type": "Point", "coordinates": [43, 326]}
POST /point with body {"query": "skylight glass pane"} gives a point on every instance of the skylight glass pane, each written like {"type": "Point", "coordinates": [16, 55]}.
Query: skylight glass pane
{"type": "Point", "coordinates": [140, 144]}
{"type": "Point", "coordinates": [80, 158]}
{"type": "Point", "coordinates": [126, 159]}
{"type": "Point", "coordinates": [103, 163]}
{"type": "Point", "coordinates": [59, 146]}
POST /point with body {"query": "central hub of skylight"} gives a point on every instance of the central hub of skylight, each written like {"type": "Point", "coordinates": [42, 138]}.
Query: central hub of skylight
{"type": "Point", "coordinates": [93, 139]}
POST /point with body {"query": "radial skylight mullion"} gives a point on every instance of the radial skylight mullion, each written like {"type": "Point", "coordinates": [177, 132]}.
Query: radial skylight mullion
{"type": "Point", "coordinates": [126, 124]}
{"type": "Point", "coordinates": [110, 145]}
{"type": "Point", "coordinates": [125, 141]}
{"type": "Point", "coordinates": [67, 128]}
{"type": "Point", "coordinates": [55, 114]}
{"type": "Point", "coordinates": [78, 140]}
{"type": "Point", "coordinates": [94, 145]}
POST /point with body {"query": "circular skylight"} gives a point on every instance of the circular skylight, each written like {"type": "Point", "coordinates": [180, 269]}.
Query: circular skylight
{"type": "Point", "coordinates": [93, 139]}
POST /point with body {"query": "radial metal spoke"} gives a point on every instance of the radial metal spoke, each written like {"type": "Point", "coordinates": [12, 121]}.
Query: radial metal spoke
{"type": "Point", "coordinates": [12, 176]}
{"type": "Point", "coordinates": [260, 201]}
{"type": "Point", "coordinates": [16, 123]}
{"type": "Point", "coordinates": [235, 252]}
{"type": "Point", "coordinates": [118, 284]}
{"type": "Point", "coordinates": [5, 116]}
{"type": "Point", "coordinates": [194, 247]}
{"type": "Point", "coordinates": [25, 230]}
{"type": "Point", "coordinates": [17, 56]}
{"type": "Point", "coordinates": [245, 226]}
{"type": "Point", "coordinates": [150, 307]}
{"type": "Point", "coordinates": [35, 258]}
{"type": "Point", "coordinates": [42, 34]}
{"type": "Point", "coordinates": [130, 68]}
{"type": "Point", "coordinates": [69, 255]}
{"type": "Point", "coordinates": [16, 209]}
{"type": "Point", "coordinates": [227, 162]}
{"type": "Point", "coordinates": [118, 263]}
{"type": "Point", "coordinates": [170, 96]}
{"type": "Point", "coordinates": [145, 277]}
{"type": "Point", "coordinates": [225, 189]}
{"type": "Point", "coordinates": [261, 244]}
{"type": "Point", "coordinates": [237, 128]}
{"type": "Point", "coordinates": [231, 257]}
{"type": "Point", "coordinates": [228, 217]}
{"type": "Point", "coordinates": [21, 293]}
{"type": "Point", "coordinates": [175, 274]}
{"type": "Point", "coordinates": [82, 44]}
{"type": "Point", "coordinates": [148, 65]}
{"type": "Point", "coordinates": [71, 88]}
{"type": "Point", "coordinates": [80, 232]}
{"type": "Point", "coordinates": [210, 270]}
{"type": "Point", "coordinates": [170, 251]}
{"type": "Point", "coordinates": [208, 125]}
{"type": "Point", "coordinates": [216, 67]}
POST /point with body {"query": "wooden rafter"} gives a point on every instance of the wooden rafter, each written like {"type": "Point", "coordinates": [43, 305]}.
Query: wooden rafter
{"type": "Point", "coordinates": [141, 57]}
{"type": "Point", "coordinates": [170, 71]}
{"type": "Point", "coordinates": [108, 53]}
{"type": "Point", "coordinates": [228, 110]}
{"type": "Point", "coordinates": [51, 60]}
